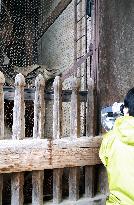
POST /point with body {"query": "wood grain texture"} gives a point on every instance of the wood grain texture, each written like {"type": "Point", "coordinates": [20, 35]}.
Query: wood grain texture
{"type": "Point", "coordinates": [57, 185]}
{"type": "Point", "coordinates": [32, 154]}
{"type": "Point", "coordinates": [2, 80]}
{"type": "Point", "coordinates": [57, 133]}
{"type": "Point", "coordinates": [17, 179]}
{"type": "Point", "coordinates": [38, 132]}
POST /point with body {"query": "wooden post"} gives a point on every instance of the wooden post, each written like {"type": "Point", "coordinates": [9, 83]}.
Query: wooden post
{"type": "Point", "coordinates": [2, 81]}
{"type": "Point", "coordinates": [90, 109]}
{"type": "Point", "coordinates": [38, 132]}
{"type": "Point", "coordinates": [74, 133]}
{"type": "Point", "coordinates": [75, 110]}
{"type": "Point", "coordinates": [57, 108]}
{"type": "Point", "coordinates": [39, 108]}
{"type": "Point", "coordinates": [57, 133]}
{"type": "Point", "coordinates": [89, 170]}
{"type": "Point", "coordinates": [19, 108]}
{"type": "Point", "coordinates": [17, 179]}
{"type": "Point", "coordinates": [17, 182]}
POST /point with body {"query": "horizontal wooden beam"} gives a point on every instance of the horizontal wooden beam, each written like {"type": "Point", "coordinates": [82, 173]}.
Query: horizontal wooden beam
{"type": "Point", "coordinates": [29, 94]}
{"type": "Point", "coordinates": [40, 154]}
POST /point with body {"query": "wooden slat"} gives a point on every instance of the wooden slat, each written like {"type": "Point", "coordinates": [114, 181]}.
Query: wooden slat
{"type": "Point", "coordinates": [57, 108]}
{"type": "Point", "coordinates": [37, 187]}
{"type": "Point", "coordinates": [19, 109]}
{"type": "Point", "coordinates": [2, 80]}
{"type": "Point", "coordinates": [89, 170]}
{"type": "Point", "coordinates": [74, 134]}
{"type": "Point", "coordinates": [17, 182]}
{"type": "Point", "coordinates": [57, 185]}
{"type": "Point", "coordinates": [74, 178]}
{"type": "Point", "coordinates": [39, 108]}
{"type": "Point", "coordinates": [57, 132]}
{"type": "Point", "coordinates": [17, 179]}
{"type": "Point", "coordinates": [75, 110]}
{"type": "Point", "coordinates": [89, 181]}
{"type": "Point", "coordinates": [38, 133]}
{"type": "Point", "coordinates": [90, 109]}
{"type": "Point", "coordinates": [30, 154]}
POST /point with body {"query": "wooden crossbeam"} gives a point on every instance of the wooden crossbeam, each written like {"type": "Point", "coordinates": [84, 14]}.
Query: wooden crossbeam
{"type": "Point", "coordinates": [29, 94]}
{"type": "Point", "coordinates": [32, 154]}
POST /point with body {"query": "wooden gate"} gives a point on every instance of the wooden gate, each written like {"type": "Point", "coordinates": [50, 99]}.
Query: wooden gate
{"type": "Point", "coordinates": [36, 154]}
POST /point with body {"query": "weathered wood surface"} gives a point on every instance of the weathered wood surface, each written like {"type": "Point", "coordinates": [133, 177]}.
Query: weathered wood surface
{"type": "Point", "coordinates": [57, 108]}
{"type": "Point", "coordinates": [38, 132]}
{"type": "Point", "coordinates": [2, 80]}
{"type": "Point", "coordinates": [57, 185]}
{"type": "Point", "coordinates": [29, 94]}
{"type": "Point", "coordinates": [57, 133]}
{"type": "Point", "coordinates": [91, 128]}
{"type": "Point", "coordinates": [19, 109]}
{"type": "Point", "coordinates": [30, 154]}
{"type": "Point", "coordinates": [37, 187]}
{"type": "Point", "coordinates": [89, 181]}
{"type": "Point", "coordinates": [90, 109]}
{"type": "Point", "coordinates": [75, 110]}
{"type": "Point", "coordinates": [39, 108]}
{"type": "Point", "coordinates": [17, 179]}
{"type": "Point", "coordinates": [74, 175]}
{"type": "Point", "coordinates": [17, 182]}
{"type": "Point", "coordinates": [74, 179]}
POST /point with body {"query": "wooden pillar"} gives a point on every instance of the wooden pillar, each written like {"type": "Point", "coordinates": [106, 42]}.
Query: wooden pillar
{"type": "Point", "coordinates": [2, 81]}
{"type": "Point", "coordinates": [89, 170]}
{"type": "Point", "coordinates": [74, 134]}
{"type": "Point", "coordinates": [57, 108]}
{"type": "Point", "coordinates": [57, 133]}
{"type": "Point", "coordinates": [75, 110]}
{"type": "Point", "coordinates": [17, 179]}
{"type": "Point", "coordinates": [90, 109]}
{"type": "Point", "coordinates": [38, 132]}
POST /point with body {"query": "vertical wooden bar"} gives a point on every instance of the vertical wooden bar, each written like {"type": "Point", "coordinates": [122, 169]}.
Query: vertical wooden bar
{"type": "Point", "coordinates": [75, 35]}
{"type": "Point", "coordinates": [2, 81]}
{"type": "Point", "coordinates": [89, 170]}
{"type": "Point", "coordinates": [74, 134]}
{"type": "Point", "coordinates": [38, 132]}
{"type": "Point", "coordinates": [75, 110]}
{"type": "Point", "coordinates": [57, 133]}
{"type": "Point", "coordinates": [17, 182]}
{"type": "Point", "coordinates": [57, 185]}
{"type": "Point", "coordinates": [57, 108]}
{"type": "Point", "coordinates": [17, 179]}
{"type": "Point", "coordinates": [90, 109]}
{"type": "Point", "coordinates": [39, 108]}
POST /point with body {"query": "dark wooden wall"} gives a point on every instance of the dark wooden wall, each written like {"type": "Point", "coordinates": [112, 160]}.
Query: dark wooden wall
{"type": "Point", "coordinates": [116, 49]}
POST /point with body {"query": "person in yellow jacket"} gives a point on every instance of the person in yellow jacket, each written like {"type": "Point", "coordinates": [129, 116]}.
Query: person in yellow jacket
{"type": "Point", "coordinates": [117, 155]}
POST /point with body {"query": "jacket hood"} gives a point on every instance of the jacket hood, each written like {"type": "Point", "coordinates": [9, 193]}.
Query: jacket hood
{"type": "Point", "coordinates": [124, 129]}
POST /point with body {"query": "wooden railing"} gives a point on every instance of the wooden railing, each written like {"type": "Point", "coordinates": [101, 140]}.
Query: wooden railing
{"type": "Point", "coordinates": [35, 154]}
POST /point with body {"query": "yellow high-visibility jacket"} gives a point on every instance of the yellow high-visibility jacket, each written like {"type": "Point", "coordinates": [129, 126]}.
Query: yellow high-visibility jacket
{"type": "Point", "coordinates": [117, 154]}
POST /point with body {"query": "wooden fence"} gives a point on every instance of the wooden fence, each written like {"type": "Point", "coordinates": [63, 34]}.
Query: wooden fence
{"type": "Point", "coordinates": [21, 154]}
